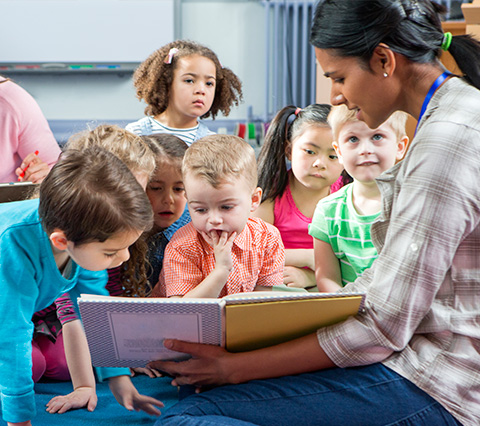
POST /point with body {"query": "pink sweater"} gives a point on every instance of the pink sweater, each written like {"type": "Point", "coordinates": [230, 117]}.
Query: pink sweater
{"type": "Point", "coordinates": [23, 129]}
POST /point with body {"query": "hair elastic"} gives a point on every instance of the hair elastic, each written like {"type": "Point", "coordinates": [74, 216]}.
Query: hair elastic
{"type": "Point", "coordinates": [171, 53]}
{"type": "Point", "coordinates": [297, 110]}
{"type": "Point", "coordinates": [447, 41]}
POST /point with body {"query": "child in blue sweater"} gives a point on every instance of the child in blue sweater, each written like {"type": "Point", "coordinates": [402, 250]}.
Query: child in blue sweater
{"type": "Point", "coordinates": [91, 209]}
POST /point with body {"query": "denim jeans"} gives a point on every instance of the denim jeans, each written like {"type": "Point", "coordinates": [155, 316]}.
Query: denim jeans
{"type": "Point", "coordinates": [369, 396]}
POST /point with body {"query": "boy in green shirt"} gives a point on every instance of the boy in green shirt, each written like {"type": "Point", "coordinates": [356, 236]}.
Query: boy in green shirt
{"type": "Point", "coordinates": [341, 223]}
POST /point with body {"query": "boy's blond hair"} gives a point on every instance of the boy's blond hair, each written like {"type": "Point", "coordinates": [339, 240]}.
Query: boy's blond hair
{"type": "Point", "coordinates": [221, 158]}
{"type": "Point", "coordinates": [339, 115]}
{"type": "Point", "coordinates": [128, 147]}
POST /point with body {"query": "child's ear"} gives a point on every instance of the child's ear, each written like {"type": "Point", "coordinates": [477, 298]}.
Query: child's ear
{"type": "Point", "coordinates": [256, 198]}
{"type": "Point", "coordinates": [337, 151]}
{"type": "Point", "coordinates": [288, 151]}
{"type": "Point", "coordinates": [59, 239]}
{"type": "Point", "coordinates": [402, 147]}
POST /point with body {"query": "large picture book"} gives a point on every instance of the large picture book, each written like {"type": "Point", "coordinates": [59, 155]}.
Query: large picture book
{"type": "Point", "coordinates": [129, 331]}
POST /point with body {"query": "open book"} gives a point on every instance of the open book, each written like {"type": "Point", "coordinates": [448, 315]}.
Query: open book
{"type": "Point", "coordinates": [129, 331]}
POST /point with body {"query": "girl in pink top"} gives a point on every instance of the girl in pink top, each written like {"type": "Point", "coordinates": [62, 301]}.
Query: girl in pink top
{"type": "Point", "coordinates": [302, 138]}
{"type": "Point", "coordinates": [23, 132]}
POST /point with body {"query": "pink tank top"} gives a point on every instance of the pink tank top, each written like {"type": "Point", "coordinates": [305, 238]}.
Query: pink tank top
{"type": "Point", "coordinates": [291, 223]}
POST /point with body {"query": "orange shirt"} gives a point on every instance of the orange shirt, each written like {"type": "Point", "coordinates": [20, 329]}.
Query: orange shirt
{"type": "Point", "coordinates": [258, 257]}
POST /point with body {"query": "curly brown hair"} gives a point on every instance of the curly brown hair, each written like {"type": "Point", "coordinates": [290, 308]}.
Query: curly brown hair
{"type": "Point", "coordinates": [153, 79]}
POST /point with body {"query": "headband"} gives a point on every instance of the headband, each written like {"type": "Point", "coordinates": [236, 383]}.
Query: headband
{"type": "Point", "coordinates": [446, 41]}
{"type": "Point", "coordinates": [297, 110]}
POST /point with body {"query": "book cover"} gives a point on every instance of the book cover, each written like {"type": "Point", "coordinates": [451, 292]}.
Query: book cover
{"type": "Point", "coordinates": [129, 331]}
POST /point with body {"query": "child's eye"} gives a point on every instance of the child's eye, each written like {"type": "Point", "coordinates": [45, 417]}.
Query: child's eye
{"type": "Point", "coordinates": [309, 152]}
{"type": "Point", "coordinates": [227, 207]}
{"type": "Point", "coordinates": [109, 254]}
{"type": "Point", "coordinates": [377, 137]}
{"type": "Point", "coordinates": [179, 189]}
{"type": "Point", "coordinates": [333, 157]}
{"type": "Point", "coordinates": [353, 139]}
{"type": "Point", "coordinates": [210, 83]}
{"type": "Point", "coordinates": [188, 80]}
{"type": "Point", "coordinates": [154, 188]}
{"type": "Point", "coordinates": [200, 210]}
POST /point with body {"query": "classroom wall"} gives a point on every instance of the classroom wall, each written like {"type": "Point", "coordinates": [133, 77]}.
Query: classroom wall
{"type": "Point", "coordinates": [234, 29]}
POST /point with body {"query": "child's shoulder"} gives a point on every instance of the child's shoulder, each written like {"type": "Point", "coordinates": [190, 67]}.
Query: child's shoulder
{"type": "Point", "coordinates": [342, 194]}
{"type": "Point", "coordinates": [141, 127]}
{"type": "Point", "coordinates": [187, 234]}
{"type": "Point", "coordinates": [18, 213]}
{"type": "Point", "coordinates": [255, 223]}
{"type": "Point", "coordinates": [259, 229]}
{"type": "Point", "coordinates": [334, 202]}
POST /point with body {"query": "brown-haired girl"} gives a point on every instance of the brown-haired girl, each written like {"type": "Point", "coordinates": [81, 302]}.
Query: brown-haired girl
{"type": "Point", "coordinates": [91, 209]}
{"type": "Point", "coordinates": [166, 193]}
{"type": "Point", "coordinates": [59, 325]}
{"type": "Point", "coordinates": [180, 83]}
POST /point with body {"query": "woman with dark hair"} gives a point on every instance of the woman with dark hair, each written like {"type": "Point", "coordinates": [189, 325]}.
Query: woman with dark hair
{"type": "Point", "coordinates": [413, 354]}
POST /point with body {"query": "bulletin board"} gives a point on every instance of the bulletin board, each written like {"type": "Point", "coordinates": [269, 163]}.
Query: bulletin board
{"type": "Point", "coordinates": [49, 32]}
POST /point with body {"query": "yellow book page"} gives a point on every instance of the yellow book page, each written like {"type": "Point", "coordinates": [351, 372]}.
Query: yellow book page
{"type": "Point", "coordinates": [257, 325]}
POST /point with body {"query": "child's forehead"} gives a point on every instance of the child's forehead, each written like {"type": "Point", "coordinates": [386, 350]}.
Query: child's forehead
{"type": "Point", "coordinates": [357, 127]}
{"type": "Point", "coordinates": [228, 183]}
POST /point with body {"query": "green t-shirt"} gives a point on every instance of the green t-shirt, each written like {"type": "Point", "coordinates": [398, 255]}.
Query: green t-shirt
{"type": "Point", "coordinates": [336, 222]}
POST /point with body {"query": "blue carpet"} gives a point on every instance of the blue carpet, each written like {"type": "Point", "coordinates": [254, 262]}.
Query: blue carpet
{"type": "Point", "coordinates": [108, 412]}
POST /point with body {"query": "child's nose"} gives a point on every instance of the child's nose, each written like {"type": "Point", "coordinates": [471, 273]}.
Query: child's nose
{"type": "Point", "coordinates": [200, 87]}
{"type": "Point", "coordinates": [366, 147]}
{"type": "Point", "coordinates": [215, 218]}
{"type": "Point", "coordinates": [168, 197]}
{"type": "Point", "coordinates": [319, 162]}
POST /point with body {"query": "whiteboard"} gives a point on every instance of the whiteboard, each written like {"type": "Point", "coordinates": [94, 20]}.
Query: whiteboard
{"type": "Point", "coordinates": [108, 31]}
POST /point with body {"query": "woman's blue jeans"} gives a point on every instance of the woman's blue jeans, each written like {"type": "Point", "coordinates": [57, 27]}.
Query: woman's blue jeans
{"type": "Point", "coordinates": [369, 396]}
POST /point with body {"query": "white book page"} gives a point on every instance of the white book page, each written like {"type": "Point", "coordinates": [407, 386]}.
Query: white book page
{"type": "Point", "coordinates": [140, 335]}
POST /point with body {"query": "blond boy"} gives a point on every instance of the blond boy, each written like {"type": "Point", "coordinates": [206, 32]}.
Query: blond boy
{"type": "Point", "coordinates": [223, 250]}
{"type": "Point", "coordinates": [341, 224]}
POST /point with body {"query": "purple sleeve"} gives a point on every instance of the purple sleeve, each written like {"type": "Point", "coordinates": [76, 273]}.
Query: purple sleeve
{"type": "Point", "coordinates": [65, 309]}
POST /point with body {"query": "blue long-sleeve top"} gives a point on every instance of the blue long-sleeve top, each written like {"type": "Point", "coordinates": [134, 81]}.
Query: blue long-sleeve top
{"type": "Point", "coordinates": [29, 282]}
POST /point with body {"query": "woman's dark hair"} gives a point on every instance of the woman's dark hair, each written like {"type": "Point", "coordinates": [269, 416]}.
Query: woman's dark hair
{"type": "Point", "coordinates": [91, 195]}
{"type": "Point", "coordinates": [153, 79]}
{"type": "Point", "coordinates": [289, 123]}
{"type": "Point", "coordinates": [411, 28]}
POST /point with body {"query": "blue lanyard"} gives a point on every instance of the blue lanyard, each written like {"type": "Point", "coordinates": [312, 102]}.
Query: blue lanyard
{"type": "Point", "coordinates": [436, 84]}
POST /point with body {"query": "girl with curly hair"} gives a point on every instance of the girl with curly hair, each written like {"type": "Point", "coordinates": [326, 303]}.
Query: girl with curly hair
{"type": "Point", "coordinates": [180, 83]}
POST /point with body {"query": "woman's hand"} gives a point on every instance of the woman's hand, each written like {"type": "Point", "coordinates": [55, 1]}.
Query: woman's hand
{"type": "Point", "coordinates": [79, 398]}
{"type": "Point", "coordinates": [210, 365]}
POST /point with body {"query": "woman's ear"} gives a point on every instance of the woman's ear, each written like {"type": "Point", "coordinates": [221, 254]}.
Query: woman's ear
{"type": "Point", "coordinates": [383, 60]}
{"type": "Point", "coordinates": [256, 198]}
{"type": "Point", "coordinates": [336, 147]}
{"type": "Point", "coordinates": [59, 239]}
